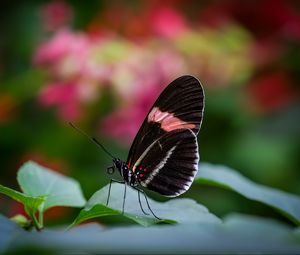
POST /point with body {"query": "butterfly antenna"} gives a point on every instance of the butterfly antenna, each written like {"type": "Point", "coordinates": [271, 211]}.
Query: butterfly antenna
{"type": "Point", "coordinates": [93, 139]}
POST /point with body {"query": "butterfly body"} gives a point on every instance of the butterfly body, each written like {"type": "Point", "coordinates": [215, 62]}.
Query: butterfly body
{"type": "Point", "coordinates": [126, 173]}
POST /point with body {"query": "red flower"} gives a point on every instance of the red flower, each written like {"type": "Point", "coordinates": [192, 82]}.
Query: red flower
{"type": "Point", "coordinates": [167, 22]}
{"type": "Point", "coordinates": [271, 92]}
{"type": "Point", "coordinates": [56, 15]}
{"type": "Point", "coordinates": [124, 123]}
{"type": "Point", "coordinates": [268, 18]}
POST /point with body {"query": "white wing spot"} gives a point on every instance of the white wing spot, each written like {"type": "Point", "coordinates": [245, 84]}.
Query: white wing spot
{"type": "Point", "coordinates": [143, 155]}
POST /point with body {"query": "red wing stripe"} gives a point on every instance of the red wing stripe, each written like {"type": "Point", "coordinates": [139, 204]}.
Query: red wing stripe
{"type": "Point", "coordinates": [167, 120]}
{"type": "Point", "coordinates": [129, 163]}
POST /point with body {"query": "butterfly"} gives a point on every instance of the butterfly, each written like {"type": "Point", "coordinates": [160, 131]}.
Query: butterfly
{"type": "Point", "coordinates": [164, 154]}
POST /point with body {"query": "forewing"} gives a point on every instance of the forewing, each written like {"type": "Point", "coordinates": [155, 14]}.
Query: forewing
{"type": "Point", "coordinates": [179, 106]}
{"type": "Point", "coordinates": [168, 166]}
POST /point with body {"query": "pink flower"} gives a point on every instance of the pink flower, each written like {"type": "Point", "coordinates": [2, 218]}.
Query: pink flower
{"type": "Point", "coordinates": [77, 69]}
{"type": "Point", "coordinates": [167, 22]}
{"type": "Point", "coordinates": [58, 93]}
{"type": "Point", "coordinates": [64, 44]}
{"type": "Point", "coordinates": [169, 64]}
{"type": "Point", "coordinates": [124, 123]}
{"type": "Point", "coordinates": [64, 96]}
{"type": "Point", "coordinates": [136, 87]}
{"type": "Point", "coordinates": [71, 111]}
{"type": "Point", "coordinates": [54, 49]}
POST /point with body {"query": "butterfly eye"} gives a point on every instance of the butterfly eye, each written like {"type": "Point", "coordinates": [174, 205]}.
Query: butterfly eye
{"type": "Point", "coordinates": [110, 170]}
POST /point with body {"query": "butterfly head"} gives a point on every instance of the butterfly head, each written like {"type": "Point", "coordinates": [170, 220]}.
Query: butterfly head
{"type": "Point", "coordinates": [126, 173]}
{"type": "Point", "coordinates": [117, 163]}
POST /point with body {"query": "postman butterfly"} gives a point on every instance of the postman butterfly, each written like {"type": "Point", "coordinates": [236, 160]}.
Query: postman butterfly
{"type": "Point", "coordinates": [164, 154]}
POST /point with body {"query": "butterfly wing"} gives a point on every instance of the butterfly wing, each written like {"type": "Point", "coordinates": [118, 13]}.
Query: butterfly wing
{"type": "Point", "coordinates": [179, 107]}
{"type": "Point", "coordinates": [170, 163]}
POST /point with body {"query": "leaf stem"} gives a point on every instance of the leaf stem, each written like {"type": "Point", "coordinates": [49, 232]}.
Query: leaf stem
{"type": "Point", "coordinates": [36, 223]}
{"type": "Point", "coordinates": [41, 218]}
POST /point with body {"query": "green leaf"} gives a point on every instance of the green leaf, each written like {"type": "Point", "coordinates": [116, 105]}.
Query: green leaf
{"type": "Point", "coordinates": [222, 176]}
{"type": "Point", "coordinates": [238, 234]}
{"type": "Point", "coordinates": [172, 211]}
{"type": "Point", "coordinates": [58, 190]}
{"type": "Point", "coordinates": [21, 220]}
{"type": "Point", "coordinates": [31, 203]}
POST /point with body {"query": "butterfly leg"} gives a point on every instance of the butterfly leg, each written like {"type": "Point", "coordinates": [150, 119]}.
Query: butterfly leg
{"type": "Point", "coordinates": [140, 190]}
{"type": "Point", "coordinates": [111, 181]}
{"type": "Point", "coordinates": [124, 197]}
{"type": "Point", "coordinates": [139, 196]}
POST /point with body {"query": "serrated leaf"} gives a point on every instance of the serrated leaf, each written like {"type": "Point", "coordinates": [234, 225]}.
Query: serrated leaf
{"type": "Point", "coordinates": [225, 177]}
{"type": "Point", "coordinates": [31, 203]}
{"type": "Point", "coordinates": [175, 210]}
{"type": "Point", "coordinates": [58, 190]}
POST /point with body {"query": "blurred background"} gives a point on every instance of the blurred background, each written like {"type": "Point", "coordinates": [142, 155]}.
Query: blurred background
{"type": "Point", "coordinates": [101, 65]}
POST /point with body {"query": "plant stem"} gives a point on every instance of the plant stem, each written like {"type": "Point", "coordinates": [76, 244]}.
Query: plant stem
{"type": "Point", "coordinates": [41, 218]}
{"type": "Point", "coordinates": [37, 225]}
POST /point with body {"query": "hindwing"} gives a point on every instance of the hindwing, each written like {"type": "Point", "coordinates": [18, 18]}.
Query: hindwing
{"type": "Point", "coordinates": [169, 165]}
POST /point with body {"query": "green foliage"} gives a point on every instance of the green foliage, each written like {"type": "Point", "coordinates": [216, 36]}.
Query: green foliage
{"type": "Point", "coordinates": [44, 189]}
{"type": "Point", "coordinates": [59, 190]}
{"type": "Point", "coordinates": [237, 234]}
{"type": "Point", "coordinates": [222, 176]}
{"type": "Point", "coordinates": [172, 211]}
{"type": "Point", "coordinates": [21, 220]}
{"type": "Point", "coordinates": [197, 229]}
{"type": "Point", "coordinates": [31, 203]}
